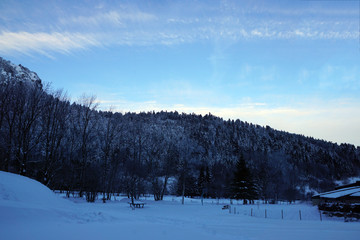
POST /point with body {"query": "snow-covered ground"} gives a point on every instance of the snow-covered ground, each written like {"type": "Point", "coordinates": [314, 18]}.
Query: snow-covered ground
{"type": "Point", "coordinates": [28, 210]}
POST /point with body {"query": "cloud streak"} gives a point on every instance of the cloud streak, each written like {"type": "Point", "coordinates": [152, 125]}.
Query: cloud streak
{"type": "Point", "coordinates": [44, 43]}
{"type": "Point", "coordinates": [115, 18]}
{"type": "Point", "coordinates": [129, 25]}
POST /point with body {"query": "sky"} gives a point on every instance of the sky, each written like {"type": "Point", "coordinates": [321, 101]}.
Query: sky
{"type": "Point", "coordinates": [291, 64]}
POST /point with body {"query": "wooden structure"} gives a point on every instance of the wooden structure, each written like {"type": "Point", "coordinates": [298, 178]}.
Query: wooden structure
{"type": "Point", "coordinates": [137, 204]}
{"type": "Point", "coordinates": [225, 207]}
{"type": "Point", "coordinates": [347, 194]}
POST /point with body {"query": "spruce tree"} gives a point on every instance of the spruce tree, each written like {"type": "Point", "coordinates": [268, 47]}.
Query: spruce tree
{"type": "Point", "coordinates": [201, 182]}
{"type": "Point", "coordinates": [207, 182]}
{"type": "Point", "coordinates": [243, 186]}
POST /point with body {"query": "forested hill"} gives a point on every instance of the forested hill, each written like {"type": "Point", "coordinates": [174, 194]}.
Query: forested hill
{"type": "Point", "coordinates": [77, 147]}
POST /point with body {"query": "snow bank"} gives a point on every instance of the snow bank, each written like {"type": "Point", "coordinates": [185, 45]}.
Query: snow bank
{"type": "Point", "coordinates": [24, 201]}
{"type": "Point", "coordinates": [18, 189]}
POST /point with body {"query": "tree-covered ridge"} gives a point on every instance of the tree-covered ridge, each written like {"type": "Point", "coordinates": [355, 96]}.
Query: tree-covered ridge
{"type": "Point", "coordinates": [78, 147]}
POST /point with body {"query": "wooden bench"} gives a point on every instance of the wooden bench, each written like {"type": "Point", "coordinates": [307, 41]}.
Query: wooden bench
{"type": "Point", "coordinates": [225, 207]}
{"type": "Point", "coordinates": [137, 204]}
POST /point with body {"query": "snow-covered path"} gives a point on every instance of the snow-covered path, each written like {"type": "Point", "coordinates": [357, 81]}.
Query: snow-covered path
{"type": "Point", "coordinates": [44, 215]}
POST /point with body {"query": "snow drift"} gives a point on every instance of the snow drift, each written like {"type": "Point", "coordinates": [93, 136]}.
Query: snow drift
{"type": "Point", "coordinates": [19, 189]}
{"type": "Point", "coordinates": [23, 200]}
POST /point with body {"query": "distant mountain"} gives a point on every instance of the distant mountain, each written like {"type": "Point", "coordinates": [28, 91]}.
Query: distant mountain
{"type": "Point", "coordinates": [77, 147]}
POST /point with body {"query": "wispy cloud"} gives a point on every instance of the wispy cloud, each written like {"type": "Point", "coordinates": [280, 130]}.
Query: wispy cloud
{"type": "Point", "coordinates": [112, 17]}
{"type": "Point", "coordinates": [339, 78]}
{"type": "Point", "coordinates": [45, 43]}
{"type": "Point", "coordinates": [131, 25]}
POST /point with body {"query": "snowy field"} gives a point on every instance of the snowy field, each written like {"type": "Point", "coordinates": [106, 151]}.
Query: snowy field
{"type": "Point", "coordinates": [28, 210]}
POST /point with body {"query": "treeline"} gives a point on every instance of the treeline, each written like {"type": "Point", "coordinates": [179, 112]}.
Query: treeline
{"type": "Point", "coordinates": [77, 147]}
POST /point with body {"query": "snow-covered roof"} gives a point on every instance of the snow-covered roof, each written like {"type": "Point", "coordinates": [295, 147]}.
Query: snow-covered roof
{"type": "Point", "coordinates": [350, 191]}
{"type": "Point", "coordinates": [356, 194]}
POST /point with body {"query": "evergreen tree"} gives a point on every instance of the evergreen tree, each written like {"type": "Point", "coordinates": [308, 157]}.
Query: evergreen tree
{"type": "Point", "coordinates": [207, 182]}
{"type": "Point", "coordinates": [201, 182]}
{"type": "Point", "coordinates": [243, 186]}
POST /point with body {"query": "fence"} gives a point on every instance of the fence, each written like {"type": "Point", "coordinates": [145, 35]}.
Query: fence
{"type": "Point", "coordinates": [276, 212]}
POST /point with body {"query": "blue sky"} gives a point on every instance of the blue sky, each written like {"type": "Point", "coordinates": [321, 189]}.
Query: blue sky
{"type": "Point", "coordinates": [292, 65]}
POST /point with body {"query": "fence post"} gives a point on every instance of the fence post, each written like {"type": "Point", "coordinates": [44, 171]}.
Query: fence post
{"type": "Point", "coordinates": [282, 214]}
{"type": "Point", "coordinates": [251, 212]}
{"type": "Point", "coordinates": [300, 214]}
{"type": "Point", "coordinates": [230, 209]}
{"type": "Point", "coordinates": [265, 214]}
{"type": "Point", "coordinates": [234, 210]}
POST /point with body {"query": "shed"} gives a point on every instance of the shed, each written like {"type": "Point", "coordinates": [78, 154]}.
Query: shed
{"type": "Point", "coordinates": [346, 195]}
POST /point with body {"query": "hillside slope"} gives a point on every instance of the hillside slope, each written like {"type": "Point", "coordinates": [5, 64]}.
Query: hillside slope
{"type": "Point", "coordinates": [77, 147]}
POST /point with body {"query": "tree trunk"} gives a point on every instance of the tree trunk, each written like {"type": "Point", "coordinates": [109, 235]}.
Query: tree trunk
{"type": "Point", "coordinates": [183, 193]}
{"type": "Point", "coordinates": [164, 188]}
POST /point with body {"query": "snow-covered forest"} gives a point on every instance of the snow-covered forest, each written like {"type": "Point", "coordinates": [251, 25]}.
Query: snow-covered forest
{"type": "Point", "coordinates": [77, 147]}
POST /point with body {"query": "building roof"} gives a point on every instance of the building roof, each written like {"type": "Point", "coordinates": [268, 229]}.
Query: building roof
{"type": "Point", "coordinates": [339, 193]}
{"type": "Point", "coordinates": [356, 194]}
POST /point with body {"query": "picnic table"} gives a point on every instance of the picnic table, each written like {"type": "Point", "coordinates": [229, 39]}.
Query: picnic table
{"type": "Point", "coordinates": [137, 204]}
{"type": "Point", "coordinates": [225, 207]}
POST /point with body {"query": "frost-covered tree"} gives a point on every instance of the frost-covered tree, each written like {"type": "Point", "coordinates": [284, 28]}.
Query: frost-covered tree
{"type": "Point", "coordinates": [85, 125]}
{"type": "Point", "coordinates": [53, 121]}
{"type": "Point", "coordinates": [109, 130]}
